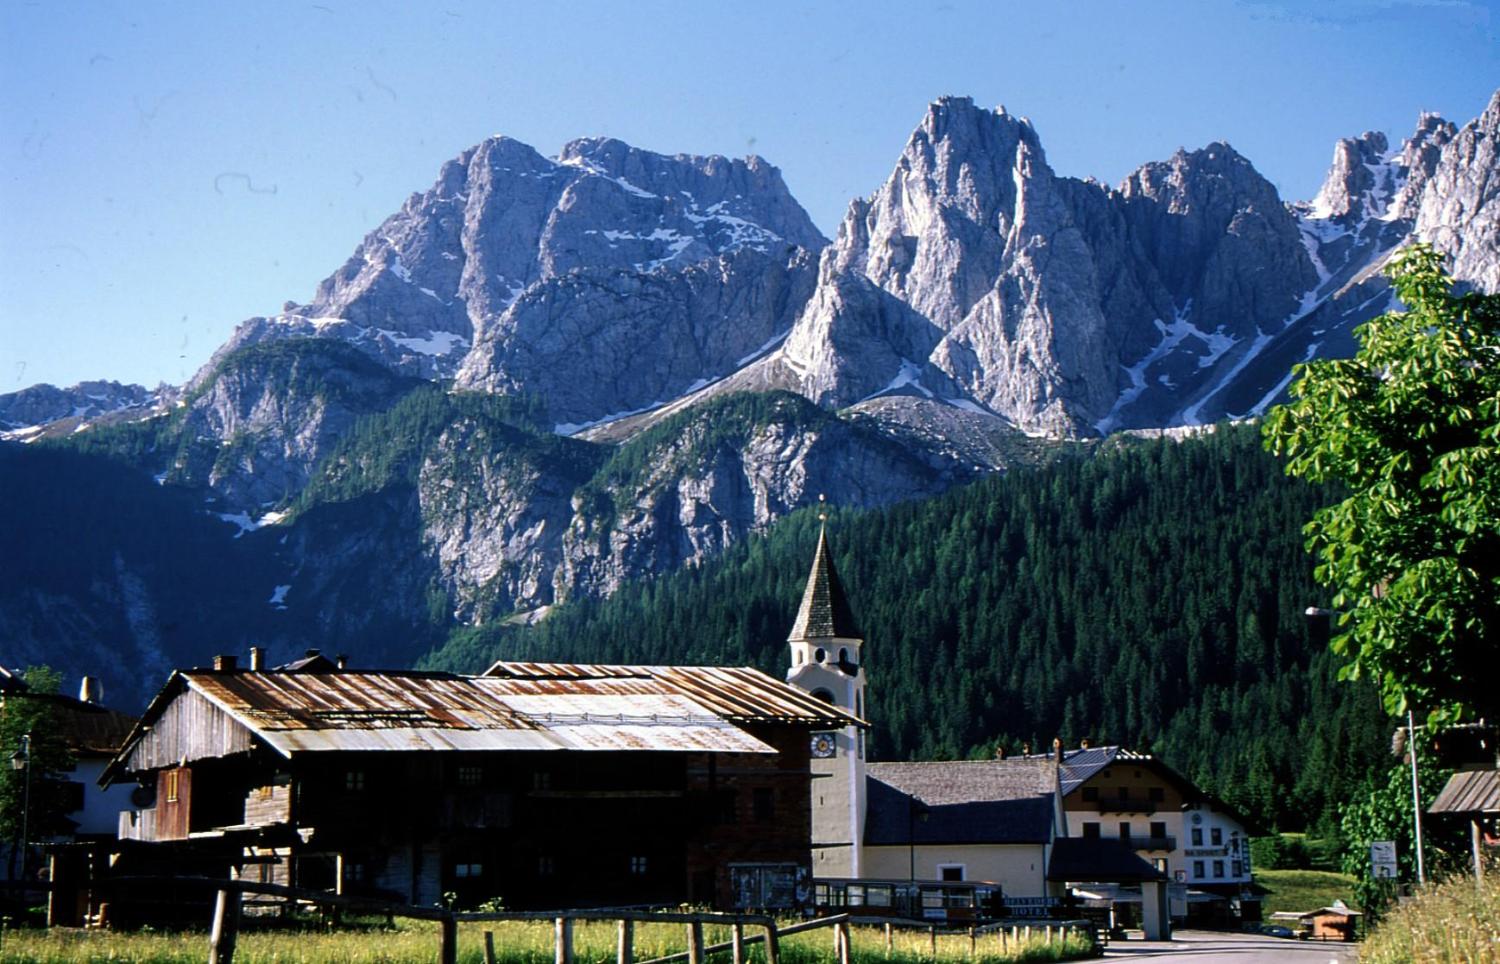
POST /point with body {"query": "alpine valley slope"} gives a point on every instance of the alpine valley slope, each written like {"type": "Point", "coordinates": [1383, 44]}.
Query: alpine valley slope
{"type": "Point", "coordinates": [524, 386]}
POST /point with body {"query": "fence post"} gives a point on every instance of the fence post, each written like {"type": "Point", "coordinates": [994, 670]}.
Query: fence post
{"type": "Point", "coordinates": [563, 935]}
{"type": "Point", "coordinates": [842, 930]}
{"type": "Point", "coordinates": [932, 939]}
{"type": "Point", "coordinates": [625, 946]}
{"type": "Point", "coordinates": [973, 940]}
{"type": "Point", "coordinates": [226, 927]}
{"type": "Point", "coordinates": [695, 942]}
{"type": "Point", "coordinates": [773, 944]}
{"type": "Point", "coordinates": [1049, 934]}
{"type": "Point", "coordinates": [890, 941]}
{"type": "Point", "coordinates": [489, 947]}
{"type": "Point", "coordinates": [737, 943]}
{"type": "Point", "coordinates": [448, 950]}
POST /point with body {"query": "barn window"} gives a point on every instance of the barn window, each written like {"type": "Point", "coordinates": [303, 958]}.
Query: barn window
{"type": "Point", "coordinates": [468, 870]}
{"type": "Point", "coordinates": [546, 865]}
{"type": "Point", "coordinates": [354, 781]}
{"type": "Point", "coordinates": [470, 776]}
{"type": "Point", "coordinates": [638, 866]}
{"type": "Point", "coordinates": [541, 780]}
{"type": "Point", "coordinates": [763, 804]}
{"type": "Point", "coordinates": [171, 787]}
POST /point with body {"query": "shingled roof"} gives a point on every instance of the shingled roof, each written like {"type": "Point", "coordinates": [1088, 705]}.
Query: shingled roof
{"type": "Point", "coordinates": [824, 611]}
{"type": "Point", "coordinates": [1471, 792]}
{"type": "Point", "coordinates": [961, 802]}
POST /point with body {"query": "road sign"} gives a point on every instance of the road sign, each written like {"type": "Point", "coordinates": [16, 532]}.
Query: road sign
{"type": "Point", "coordinates": [1383, 859]}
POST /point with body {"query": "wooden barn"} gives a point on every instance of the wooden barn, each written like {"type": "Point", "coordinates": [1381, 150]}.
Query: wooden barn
{"type": "Point", "coordinates": [544, 785]}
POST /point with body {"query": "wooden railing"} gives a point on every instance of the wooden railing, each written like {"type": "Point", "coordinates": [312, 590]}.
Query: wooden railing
{"type": "Point", "coordinates": [230, 894]}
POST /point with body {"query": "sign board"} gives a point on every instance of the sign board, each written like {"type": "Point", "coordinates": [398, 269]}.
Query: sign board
{"type": "Point", "coordinates": [1383, 859]}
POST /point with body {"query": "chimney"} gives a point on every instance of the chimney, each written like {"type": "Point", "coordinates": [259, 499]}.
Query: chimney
{"type": "Point", "coordinates": [1084, 743]}
{"type": "Point", "coordinates": [225, 664]}
{"type": "Point", "coordinates": [342, 661]}
{"type": "Point", "coordinates": [999, 751]}
{"type": "Point", "coordinates": [257, 658]}
{"type": "Point", "coordinates": [89, 690]}
{"type": "Point", "coordinates": [1057, 751]}
{"type": "Point", "coordinates": [1026, 749]}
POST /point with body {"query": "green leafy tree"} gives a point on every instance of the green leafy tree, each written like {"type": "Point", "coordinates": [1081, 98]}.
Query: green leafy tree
{"type": "Point", "coordinates": [32, 713]}
{"type": "Point", "coordinates": [1410, 426]}
{"type": "Point", "coordinates": [1386, 813]}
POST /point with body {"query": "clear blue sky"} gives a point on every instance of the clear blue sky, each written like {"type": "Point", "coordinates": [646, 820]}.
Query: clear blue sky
{"type": "Point", "coordinates": [170, 169]}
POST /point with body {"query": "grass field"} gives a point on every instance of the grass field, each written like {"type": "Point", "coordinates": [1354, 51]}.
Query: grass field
{"type": "Point", "coordinates": [1299, 890]}
{"type": "Point", "coordinates": [515, 943]}
{"type": "Point", "coordinates": [1454, 921]}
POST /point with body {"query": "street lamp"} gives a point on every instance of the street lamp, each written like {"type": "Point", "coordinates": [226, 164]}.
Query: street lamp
{"type": "Point", "coordinates": [21, 760]}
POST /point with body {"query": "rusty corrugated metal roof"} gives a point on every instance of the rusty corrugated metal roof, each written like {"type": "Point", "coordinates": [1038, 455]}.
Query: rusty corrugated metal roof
{"type": "Point", "coordinates": [740, 694]}
{"type": "Point", "coordinates": [1469, 791]}
{"type": "Point", "coordinates": [363, 711]}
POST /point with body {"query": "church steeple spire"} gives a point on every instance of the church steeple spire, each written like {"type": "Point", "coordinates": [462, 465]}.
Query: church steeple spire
{"type": "Point", "coordinates": [824, 612]}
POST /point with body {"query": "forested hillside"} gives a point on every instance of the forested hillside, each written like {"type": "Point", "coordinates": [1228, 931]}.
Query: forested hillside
{"type": "Point", "coordinates": [1152, 595]}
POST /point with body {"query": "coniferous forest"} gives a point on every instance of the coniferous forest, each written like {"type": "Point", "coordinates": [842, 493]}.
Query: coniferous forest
{"type": "Point", "coordinates": [1151, 595]}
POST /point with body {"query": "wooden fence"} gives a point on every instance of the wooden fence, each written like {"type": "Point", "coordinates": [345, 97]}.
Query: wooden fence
{"type": "Point", "coordinates": [230, 894]}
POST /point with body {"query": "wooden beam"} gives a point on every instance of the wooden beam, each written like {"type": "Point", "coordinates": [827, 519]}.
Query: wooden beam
{"type": "Point", "coordinates": [226, 929]}
{"type": "Point", "coordinates": [773, 944]}
{"type": "Point", "coordinates": [563, 935]}
{"type": "Point", "coordinates": [695, 942]}
{"type": "Point", "coordinates": [625, 947]}
{"type": "Point", "coordinates": [737, 943]}
{"type": "Point", "coordinates": [448, 949]}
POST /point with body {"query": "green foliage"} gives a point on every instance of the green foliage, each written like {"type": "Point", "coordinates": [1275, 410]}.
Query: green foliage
{"type": "Point", "coordinates": [1411, 425]}
{"type": "Point", "coordinates": [1150, 596]}
{"type": "Point", "coordinates": [1282, 851]}
{"type": "Point", "coordinates": [1385, 812]}
{"type": "Point", "coordinates": [32, 713]}
{"type": "Point", "coordinates": [390, 447]}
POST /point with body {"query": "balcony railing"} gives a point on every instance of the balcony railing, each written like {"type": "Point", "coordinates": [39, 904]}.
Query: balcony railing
{"type": "Point", "coordinates": [1151, 843]}
{"type": "Point", "coordinates": [1123, 805]}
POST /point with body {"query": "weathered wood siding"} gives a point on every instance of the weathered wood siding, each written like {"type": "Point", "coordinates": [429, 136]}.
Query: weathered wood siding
{"type": "Point", "coordinates": [174, 803]}
{"type": "Point", "coordinates": [265, 806]}
{"type": "Point", "coordinates": [190, 728]}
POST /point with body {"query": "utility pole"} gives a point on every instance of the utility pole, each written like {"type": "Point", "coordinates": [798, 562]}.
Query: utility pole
{"type": "Point", "coordinates": [21, 760]}
{"type": "Point", "coordinates": [1416, 792]}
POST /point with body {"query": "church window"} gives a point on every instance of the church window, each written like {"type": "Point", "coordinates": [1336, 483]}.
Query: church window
{"type": "Point", "coordinates": [825, 695]}
{"type": "Point", "coordinates": [821, 655]}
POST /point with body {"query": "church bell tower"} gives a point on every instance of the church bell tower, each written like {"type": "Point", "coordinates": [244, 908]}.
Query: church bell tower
{"type": "Point", "coordinates": [826, 661]}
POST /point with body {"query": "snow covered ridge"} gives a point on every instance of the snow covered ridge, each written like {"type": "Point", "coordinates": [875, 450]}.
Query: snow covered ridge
{"type": "Point", "coordinates": [44, 410]}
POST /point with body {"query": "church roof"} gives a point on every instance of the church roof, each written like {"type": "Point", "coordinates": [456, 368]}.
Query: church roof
{"type": "Point", "coordinates": [960, 802]}
{"type": "Point", "coordinates": [824, 611]}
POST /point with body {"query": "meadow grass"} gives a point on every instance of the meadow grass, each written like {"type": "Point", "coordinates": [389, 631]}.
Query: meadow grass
{"type": "Point", "coordinates": [515, 943]}
{"type": "Point", "coordinates": [1455, 921]}
{"type": "Point", "coordinates": [1302, 890]}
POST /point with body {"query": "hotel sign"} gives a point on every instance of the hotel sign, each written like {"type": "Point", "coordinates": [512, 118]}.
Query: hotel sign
{"type": "Point", "coordinates": [1207, 852]}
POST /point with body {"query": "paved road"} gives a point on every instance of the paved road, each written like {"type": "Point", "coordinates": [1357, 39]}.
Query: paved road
{"type": "Point", "coordinates": [1204, 946]}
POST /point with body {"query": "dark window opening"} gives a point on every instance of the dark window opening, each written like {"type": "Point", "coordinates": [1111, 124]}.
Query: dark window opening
{"type": "Point", "coordinates": [1090, 794]}
{"type": "Point", "coordinates": [763, 804]}
{"type": "Point", "coordinates": [1091, 830]}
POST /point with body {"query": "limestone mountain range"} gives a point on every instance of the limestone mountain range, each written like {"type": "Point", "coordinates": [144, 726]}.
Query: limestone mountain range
{"type": "Point", "coordinates": [975, 306]}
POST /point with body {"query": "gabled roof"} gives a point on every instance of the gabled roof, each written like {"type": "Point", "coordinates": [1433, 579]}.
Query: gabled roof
{"type": "Point", "coordinates": [12, 682]}
{"type": "Point", "coordinates": [960, 802]}
{"type": "Point", "coordinates": [1471, 792]}
{"type": "Point", "coordinates": [515, 706]}
{"type": "Point", "coordinates": [824, 612]}
{"type": "Point", "coordinates": [1088, 859]}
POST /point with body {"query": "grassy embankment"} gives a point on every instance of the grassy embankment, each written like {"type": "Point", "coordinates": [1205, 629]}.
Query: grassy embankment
{"type": "Point", "coordinates": [1302, 890]}
{"type": "Point", "coordinates": [515, 943]}
{"type": "Point", "coordinates": [1454, 921]}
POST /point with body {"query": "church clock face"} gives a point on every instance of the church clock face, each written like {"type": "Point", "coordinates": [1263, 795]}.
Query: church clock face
{"type": "Point", "coordinates": [823, 747]}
